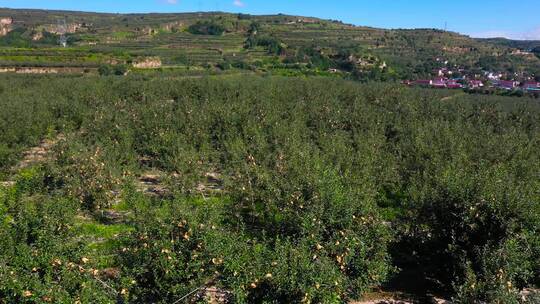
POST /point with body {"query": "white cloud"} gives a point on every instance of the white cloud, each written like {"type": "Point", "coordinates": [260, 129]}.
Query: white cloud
{"type": "Point", "coordinates": [238, 3]}
{"type": "Point", "coordinates": [172, 1]}
{"type": "Point", "coordinates": [533, 34]}
{"type": "Point", "coordinates": [490, 34]}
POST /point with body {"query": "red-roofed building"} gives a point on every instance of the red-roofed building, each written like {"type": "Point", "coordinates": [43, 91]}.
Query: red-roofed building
{"type": "Point", "coordinates": [531, 86]}
{"type": "Point", "coordinates": [453, 84]}
{"type": "Point", "coordinates": [473, 84]}
{"type": "Point", "coordinates": [439, 83]}
{"type": "Point", "coordinates": [506, 84]}
{"type": "Point", "coordinates": [423, 82]}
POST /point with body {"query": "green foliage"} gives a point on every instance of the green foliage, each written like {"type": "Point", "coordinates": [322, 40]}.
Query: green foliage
{"type": "Point", "coordinates": [181, 59]}
{"type": "Point", "coordinates": [329, 185]}
{"type": "Point", "coordinates": [16, 38]}
{"type": "Point", "coordinates": [117, 70]}
{"type": "Point", "coordinates": [28, 113]}
{"type": "Point", "coordinates": [272, 44]}
{"type": "Point", "coordinates": [39, 259]}
{"type": "Point", "coordinates": [206, 28]}
{"type": "Point", "coordinates": [49, 38]}
{"type": "Point", "coordinates": [104, 70]}
{"type": "Point", "coordinates": [120, 69]}
{"type": "Point", "coordinates": [410, 54]}
{"type": "Point", "coordinates": [473, 220]}
{"type": "Point", "coordinates": [184, 245]}
{"type": "Point", "coordinates": [243, 16]}
{"type": "Point", "coordinates": [499, 270]}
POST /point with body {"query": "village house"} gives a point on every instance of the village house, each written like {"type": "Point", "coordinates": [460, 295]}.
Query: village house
{"type": "Point", "coordinates": [439, 83]}
{"type": "Point", "coordinates": [493, 76]}
{"type": "Point", "coordinates": [443, 72]}
{"type": "Point", "coordinates": [453, 84]}
{"type": "Point", "coordinates": [473, 84]}
{"type": "Point", "coordinates": [423, 82]}
{"type": "Point", "coordinates": [506, 84]}
{"type": "Point", "coordinates": [531, 86]}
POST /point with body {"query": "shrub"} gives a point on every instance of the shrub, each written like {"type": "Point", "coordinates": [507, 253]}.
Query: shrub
{"type": "Point", "coordinates": [478, 232]}
{"type": "Point", "coordinates": [272, 44]}
{"type": "Point", "coordinates": [39, 257]}
{"type": "Point", "coordinates": [16, 38]}
{"type": "Point", "coordinates": [104, 70]}
{"type": "Point", "coordinates": [206, 28]}
{"type": "Point", "coordinates": [313, 205]}
{"type": "Point", "coordinates": [120, 69]}
{"type": "Point", "coordinates": [117, 70]}
{"type": "Point", "coordinates": [324, 254]}
{"type": "Point", "coordinates": [85, 177]}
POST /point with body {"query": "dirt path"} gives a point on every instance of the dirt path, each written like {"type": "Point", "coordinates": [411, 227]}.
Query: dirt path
{"type": "Point", "coordinates": [154, 183]}
{"type": "Point", "coordinates": [33, 156]}
{"type": "Point", "coordinates": [38, 154]}
{"type": "Point", "coordinates": [391, 300]}
{"type": "Point", "coordinates": [447, 98]}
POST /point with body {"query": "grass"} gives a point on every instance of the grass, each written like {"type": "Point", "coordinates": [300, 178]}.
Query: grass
{"type": "Point", "coordinates": [100, 240]}
{"type": "Point", "coordinates": [102, 231]}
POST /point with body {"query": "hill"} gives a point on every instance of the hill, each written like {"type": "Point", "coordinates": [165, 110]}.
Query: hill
{"type": "Point", "coordinates": [279, 44]}
{"type": "Point", "coordinates": [524, 45]}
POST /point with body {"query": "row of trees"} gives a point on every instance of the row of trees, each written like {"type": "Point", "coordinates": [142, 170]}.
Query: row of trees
{"type": "Point", "coordinates": [331, 189]}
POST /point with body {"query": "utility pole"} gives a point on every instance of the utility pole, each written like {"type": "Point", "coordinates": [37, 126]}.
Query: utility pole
{"type": "Point", "coordinates": [62, 30]}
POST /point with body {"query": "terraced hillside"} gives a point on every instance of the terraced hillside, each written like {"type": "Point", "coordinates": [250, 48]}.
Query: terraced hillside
{"type": "Point", "coordinates": [279, 44]}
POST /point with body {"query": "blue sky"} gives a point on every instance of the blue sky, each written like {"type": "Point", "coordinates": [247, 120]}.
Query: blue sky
{"type": "Point", "coordinates": [479, 18]}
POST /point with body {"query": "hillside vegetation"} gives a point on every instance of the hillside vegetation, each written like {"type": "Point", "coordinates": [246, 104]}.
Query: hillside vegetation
{"type": "Point", "coordinates": [268, 190]}
{"type": "Point", "coordinates": [280, 44]}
